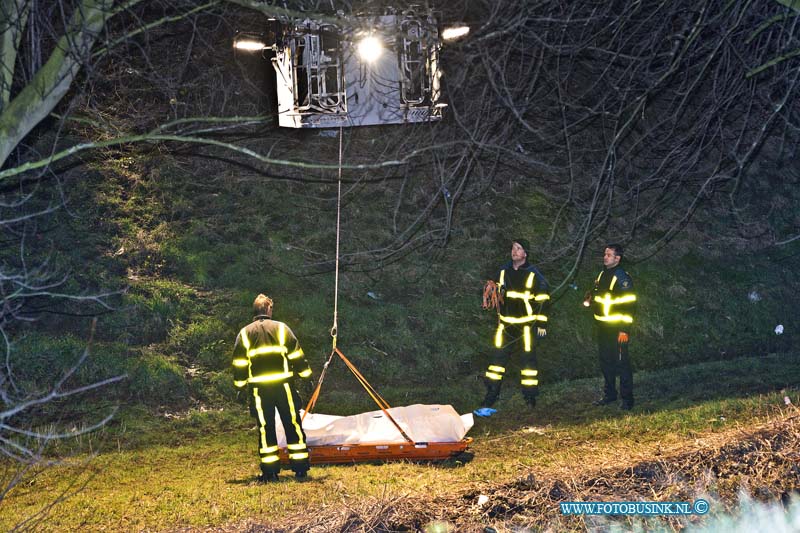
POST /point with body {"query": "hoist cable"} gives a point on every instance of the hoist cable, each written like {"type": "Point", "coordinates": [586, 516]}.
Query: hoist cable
{"type": "Point", "coordinates": [334, 328]}
{"type": "Point", "coordinates": [376, 397]}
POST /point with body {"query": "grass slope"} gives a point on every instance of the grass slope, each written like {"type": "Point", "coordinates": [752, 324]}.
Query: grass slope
{"type": "Point", "coordinates": [188, 246]}
{"type": "Point", "coordinates": [196, 469]}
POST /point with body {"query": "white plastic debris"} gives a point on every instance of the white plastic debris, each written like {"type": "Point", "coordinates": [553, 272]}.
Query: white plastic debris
{"type": "Point", "coordinates": [439, 526]}
{"type": "Point", "coordinates": [779, 329]}
{"type": "Point", "coordinates": [373, 295]}
{"type": "Point", "coordinates": [787, 401]}
{"type": "Point", "coordinates": [482, 500]}
{"type": "Point", "coordinates": [531, 429]}
{"type": "Point", "coordinates": [754, 296]}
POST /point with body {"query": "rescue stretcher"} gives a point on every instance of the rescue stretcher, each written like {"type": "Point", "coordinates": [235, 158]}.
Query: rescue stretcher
{"type": "Point", "coordinates": [383, 452]}
{"type": "Point", "coordinates": [409, 433]}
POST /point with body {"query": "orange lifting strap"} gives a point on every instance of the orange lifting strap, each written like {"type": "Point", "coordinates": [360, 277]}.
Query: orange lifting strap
{"type": "Point", "coordinates": [379, 451]}
{"type": "Point", "coordinates": [361, 379]}
{"type": "Point", "coordinates": [351, 453]}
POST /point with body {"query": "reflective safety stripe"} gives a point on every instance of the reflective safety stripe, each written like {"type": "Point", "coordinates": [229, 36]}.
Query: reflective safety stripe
{"type": "Point", "coordinates": [293, 411]}
{"type": "Point", "coordinates": [502, 278]}
{"type": "Point", "coordinates": [295, 447]}
{"type": "Point", "coordinates": [270, 459]}
{"type": "Point", "coordinates": [528, 372]}
{"type": "Point", "coordinates": [613, 282]}
{"type": "Point", "coordinates": [498, 369]}
{"type": "Point", "coordinates": [262, 421]}
{"type": "Point", "coordinates": [524, 296]}
{"type": "Point", "coordinates": [607, 301]}
{"type": "Point", "coordinates": [240, 384]}
{"type": "Point", "coordinates": [493, 376]}
{"type": "Point", "coordinates": [298, 456]}
{"type": "Point", "coordinates": [614, 318]}
{"type": "Point", "coordinates": [240, 363]}
{"type": "Point", "coordinates": [268, 450]}
{"type": "Point", "coordinates": [498, 336]}
{"type": "Point", "coordinates": [529, 281]}
{"type": "Point", "coordinates": [527, 295]}
{"type": "Point", "coordinates": [522, 320]}
{"type": "Point", "coordinates": [305, 373]}
{"type": "Point", "coordinates": [266, 349]}
{"type": "Point", "coordinates": [529, 382]}
{"type": "Point", "coordinates": [526, 334]}
{"type": "Point", "coordinates": [269, 378]}
{"type": "Point", "coordinates": [282, 335]}
{"type": "Point", "coordinates": [245, 340]}
{"type": "Point", "coordinates": [295, 354]}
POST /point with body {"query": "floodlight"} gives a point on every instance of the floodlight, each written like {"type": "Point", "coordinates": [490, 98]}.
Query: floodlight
{"type": "Point", "coordinates": [370, 48]}
{"type": "Point", "coordinates": [248, 44]}
{"type": "Point", "coordinates": [454, 32]}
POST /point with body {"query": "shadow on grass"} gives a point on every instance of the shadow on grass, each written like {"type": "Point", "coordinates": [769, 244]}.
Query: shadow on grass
{"type": "Point", "coordinates": [314, 477]}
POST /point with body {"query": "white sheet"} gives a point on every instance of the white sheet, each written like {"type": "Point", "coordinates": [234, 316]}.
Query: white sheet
{"type": "Point", "coordinates": [423, 423]}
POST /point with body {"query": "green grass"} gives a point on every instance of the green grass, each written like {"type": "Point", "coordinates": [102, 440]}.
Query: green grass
{"type": "Point", "coordinates": [190, 246]}
{"type": "Point", "coordinates": [196, 468]}
{"type": "Point", "coordinates": [193, 246]}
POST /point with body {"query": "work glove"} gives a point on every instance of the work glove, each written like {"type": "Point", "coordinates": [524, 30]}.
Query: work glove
{"type": "Point", "coordinates": [484, 412]}
{"type": "Point", "coordinates": [541, 333]}
{"type": "Point", "coordinates": [622, 338]}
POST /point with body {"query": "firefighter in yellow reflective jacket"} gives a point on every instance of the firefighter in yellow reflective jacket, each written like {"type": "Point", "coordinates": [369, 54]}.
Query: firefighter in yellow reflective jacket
{"type": "Point", "coordinates": [613, 301]}
{"type": "Point", "coordinates": [266, 359]}
{"type": "Point", "coordinates": [521, 324]}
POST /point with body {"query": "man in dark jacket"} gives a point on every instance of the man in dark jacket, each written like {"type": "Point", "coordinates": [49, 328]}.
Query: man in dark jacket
{"type": "Point", "coordinates": [266, 358]}
{"type": "Point", "coordinates": [612, 301]}
{"type": "Point", "coordinates": [521, 324]}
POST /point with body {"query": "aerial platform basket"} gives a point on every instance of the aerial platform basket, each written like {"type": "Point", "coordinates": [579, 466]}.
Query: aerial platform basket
{"type": "Point", "coordinates": [404, 449]}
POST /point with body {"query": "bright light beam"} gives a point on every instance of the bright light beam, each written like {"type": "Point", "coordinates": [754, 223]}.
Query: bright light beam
{"type": "Point", "coordinates": [455, 32]}
{"type": "Point", "coordinates": [249, 45]}
{"type": "Point", "coordinates": [370, 48]}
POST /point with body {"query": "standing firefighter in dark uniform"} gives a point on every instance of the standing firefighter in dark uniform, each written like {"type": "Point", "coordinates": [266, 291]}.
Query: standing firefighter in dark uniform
{"type": "Point", "coordinates": [523, 295]}
{"type": "Point", "coordinates": [613, 302]}
{"type": "Point", "coordinates": [266, 359]}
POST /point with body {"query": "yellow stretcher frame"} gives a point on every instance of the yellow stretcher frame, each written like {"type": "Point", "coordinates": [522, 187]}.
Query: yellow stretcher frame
{"type": "Point", "coordinates": [375, 452]}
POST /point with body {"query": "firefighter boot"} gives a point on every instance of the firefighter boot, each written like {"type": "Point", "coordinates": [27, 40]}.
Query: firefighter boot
{"type": "Point", "coordinates": [530, 399]}
{"type": "Point", "coordinates": [267, 475]}
{"type": "Point", "coordinates": [605, 400]}
{"type": "Point", "coordinates": [492, 393]}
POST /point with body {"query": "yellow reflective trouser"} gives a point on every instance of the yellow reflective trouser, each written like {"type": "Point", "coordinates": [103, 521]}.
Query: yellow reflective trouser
{"type": "Point", "coordinates": [267, 399]}
{"type": "Point", "coordinates": [512, 339]}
